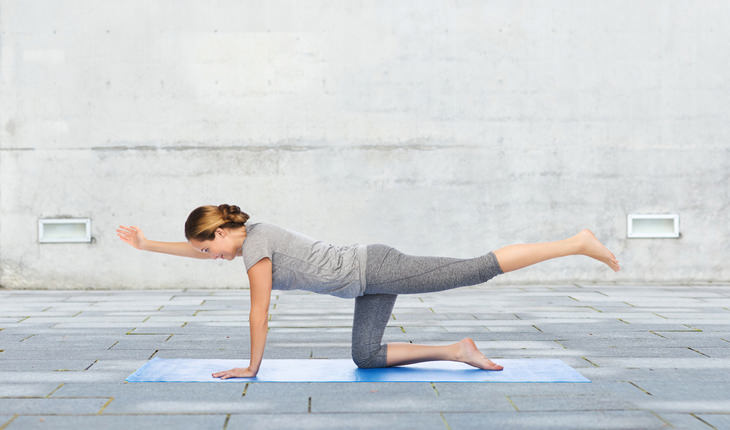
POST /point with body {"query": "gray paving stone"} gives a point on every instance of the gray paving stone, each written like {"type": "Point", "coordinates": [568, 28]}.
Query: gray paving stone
{"type": "Point", "coordinates": [394, 397]}
{"type": "Point", "coordinates": [153, 341]}
{"type": "Point", "coordinates": [209, 353]}
{"type": "Point", "coordinates": [674, 352]}
{"type": "Point", "coordinates": [119, 422]}
{"type": "Point", "coordinates": [555, 420]}
{"type": "Point", "coordinates": [569, 402]}
{"type": "Point", "coordinates": [715, 352]}
{"type": "Point", "coordinates": [46, 340]}
{"type": "Point", "coordinates": [707, 326]}
{"type": "Point", "coordinates": [617, 389]}
{"type": "Point", "coordinates": [199, 405]}
{"type": "Point", "coordinates": [26, 390]}
{"type": "Point", "coordinates": [316, 421]}
{"type": "Point", "coordinates": [719, 420]}
{"type": "Point", "coordinates": [444, 336]}
{"type": "Point", "coordinates": [26, 327]}
{"type": "Point", "coordinates": [331, 352]}
{"type": "Point", "coordinates": [687, 421]}
{"type": "Point", "coordinates": [38, 376]}
{"type": "Point", "coordinates": [647, 342]}
{"type": "Point", "coordinates": [111, 324]}
{"type": "Point", "coordinates": [671, 389]}
{"type": "Point", "coordinates": [81, 354]}
{"type": "Point", "coordinates": [533, 353]}
{"type": "Point", "coordinates": [686, 406]}
{"type": "Point", "coordinates": [293, 353]}
{"type": "Point", "coordinates": [42, 406]}
{"type": "Point", "coordinates": [521, 344]}
{"type": "Point", "coordinates": [666, 363]}
{"type": "Point", "coordinates": [91, 331]}
{"type": "Point", "coordinates": [638, 336]}
{"type": "Point", "coordinates": [684, 376]}
{"type": "Point", "coordinates": [154, 390]}
{"type": "Point", "coordinates": [52, 364]}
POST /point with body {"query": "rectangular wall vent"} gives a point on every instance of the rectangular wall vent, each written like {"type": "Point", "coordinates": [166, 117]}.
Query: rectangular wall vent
{"type": "Point", "coordinates": [652, 225]}
{"type": "Point", "coordinates": [62, 230]}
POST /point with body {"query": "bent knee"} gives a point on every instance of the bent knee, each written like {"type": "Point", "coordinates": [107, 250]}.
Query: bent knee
{"type": "Point", "coordinates": [364, 364]}
{"type": "Point", "coordinates": [368, 358]}
{"type": "Point", "coordinates": [364, 361]}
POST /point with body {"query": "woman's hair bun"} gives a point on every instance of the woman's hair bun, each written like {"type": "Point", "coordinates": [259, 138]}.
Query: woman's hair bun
{"type": "Point", "coordinates": [203, 221]}
{"type": "Point", "coordinates": [228, 209]}
{"type": "Point", "coordinates": [232, 213]}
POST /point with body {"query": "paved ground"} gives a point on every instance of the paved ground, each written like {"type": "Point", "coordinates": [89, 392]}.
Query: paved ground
{"type": "Point", "coordinates": [658, 357]}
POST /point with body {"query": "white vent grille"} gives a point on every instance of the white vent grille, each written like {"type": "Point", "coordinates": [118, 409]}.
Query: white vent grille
{"type": "Point", "coordinates": [652, 226]}
{"type": "Point", "coordinates": [63, 230]}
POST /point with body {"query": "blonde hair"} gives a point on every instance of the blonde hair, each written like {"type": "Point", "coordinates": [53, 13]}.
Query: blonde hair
{"type": "Point", "coordinates": [204, 220]}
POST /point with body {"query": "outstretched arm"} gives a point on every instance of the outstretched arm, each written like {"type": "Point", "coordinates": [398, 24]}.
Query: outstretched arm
{"type": "Point", "coordinates": [258, 318]}
{"type": "Point", "coordinates": [134, 237]}
{"type": "Point", "coordinates": [260, 279]}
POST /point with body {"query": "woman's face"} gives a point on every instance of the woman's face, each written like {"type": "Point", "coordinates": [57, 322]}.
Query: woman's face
{"type": "Point", "coordinates": [224, 245]}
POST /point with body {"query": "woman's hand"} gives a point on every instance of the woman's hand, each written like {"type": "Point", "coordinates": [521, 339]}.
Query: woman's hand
{"type": "Point", "coordinates": [131, 235]}
{"type": "Point", "coordinates": [235, 373]}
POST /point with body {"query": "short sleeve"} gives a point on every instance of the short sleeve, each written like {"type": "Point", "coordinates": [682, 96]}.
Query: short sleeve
{"type": "Point", "coordinates": [255, 247]}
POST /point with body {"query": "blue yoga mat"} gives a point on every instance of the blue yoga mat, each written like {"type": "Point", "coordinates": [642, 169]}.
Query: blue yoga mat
{"type": "Point", "coordinates": [341, 370]}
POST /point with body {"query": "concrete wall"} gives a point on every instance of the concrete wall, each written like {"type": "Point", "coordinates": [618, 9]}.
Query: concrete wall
{"type": "Point", "coordinates": [438, 127]}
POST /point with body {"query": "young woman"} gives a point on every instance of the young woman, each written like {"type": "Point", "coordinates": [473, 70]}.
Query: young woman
{"type": "Point", "coordinates": [372, 274]}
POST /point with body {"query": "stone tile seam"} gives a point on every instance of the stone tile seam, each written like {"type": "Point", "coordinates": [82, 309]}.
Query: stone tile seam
{"type": "Point", "coordinates": [55, 389]}
{"type": "Point", "coordinates": [637, 386]}
{"type": "Point", "coordinates": [509, 399]}
{"type": "Point", "coordinates": [446, 423]}
{"type": "Point", "coordinates": [7, 423]}
{"type": "Point", "coordinates": [703, 421]}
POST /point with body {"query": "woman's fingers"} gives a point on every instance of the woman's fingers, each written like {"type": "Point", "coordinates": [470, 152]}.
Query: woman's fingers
{"type": "Point", "coordinates": [128, 231]}
{"type": "Point", "coordinates": [225, 374]}
{"type": "Point", "coordinates": [123, 233]}
{"type": "Point", "coordinates": [131, 235]}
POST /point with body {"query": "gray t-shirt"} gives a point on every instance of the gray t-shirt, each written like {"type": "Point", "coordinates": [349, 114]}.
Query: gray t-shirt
{"type": "Point", "coordinates": [302, 263]}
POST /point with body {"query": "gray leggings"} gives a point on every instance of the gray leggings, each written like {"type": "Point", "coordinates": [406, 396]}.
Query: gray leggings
{"type": "Point", "coordinates": [388, 273]}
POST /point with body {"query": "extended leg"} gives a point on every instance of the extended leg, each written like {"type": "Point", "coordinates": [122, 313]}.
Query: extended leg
{"type": "Point", "coordinates": [390, 271]}
{"type": "Point", "coordinates": [515, 257]}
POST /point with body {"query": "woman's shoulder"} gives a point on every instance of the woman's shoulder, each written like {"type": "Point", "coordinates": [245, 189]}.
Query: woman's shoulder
{"type": "Point", "coordinates": [272, 230]}
{"type": "Point", "coordinates": [264, 228]}
{"type": "Point", "coordinates": [261, 225]}
{"type": "Point", "coordinates": [264, 235]}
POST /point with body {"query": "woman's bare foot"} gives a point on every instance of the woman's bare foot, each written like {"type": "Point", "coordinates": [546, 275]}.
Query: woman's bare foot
{"type": "Point", "coordinates": [592, 247]}
{"type": "Point", "coordinates": [469, 354]}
